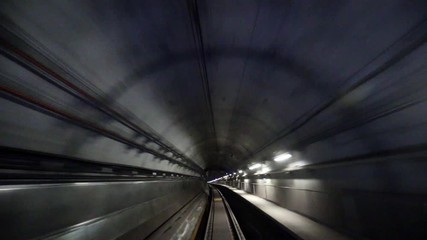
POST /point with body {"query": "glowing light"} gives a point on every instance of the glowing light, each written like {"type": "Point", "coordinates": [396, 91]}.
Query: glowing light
{"type": "Point", "coordinates": [255, 166]}
{"type": "Point", "coordinates": [82, 183]}
{"type": "Point", "coordinates": [264, 170]}
{"type": "Point", "coordinates": [297, 164]}
{"type": "Point", "coordinates": [282, 157]}
{"type": "Point", "coordinates": [240, 171]}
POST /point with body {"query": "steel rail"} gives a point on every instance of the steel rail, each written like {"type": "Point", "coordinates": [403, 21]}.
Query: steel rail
{"type": "Point", "coordinates": [233, 225]}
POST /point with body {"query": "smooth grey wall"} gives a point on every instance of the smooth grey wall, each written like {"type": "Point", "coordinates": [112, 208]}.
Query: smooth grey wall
{"type": "Point", "coordinates": [98, 210]}
{"type": "Point", "coordinates": [372, 200]}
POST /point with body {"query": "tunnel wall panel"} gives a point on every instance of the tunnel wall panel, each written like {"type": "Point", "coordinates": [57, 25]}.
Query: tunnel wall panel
{"type": "Point", "coordinates": [26, 128]}
{"type": "Point", "coordinates": [371, 200]}
{"type": "Point", "coordinates": [91, 210]}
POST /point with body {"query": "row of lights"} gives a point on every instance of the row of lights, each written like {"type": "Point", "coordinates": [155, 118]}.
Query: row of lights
{"type": "Point", "coordinates": [262, 168]}
{"type": "Point", "coordinates": [226, 176]}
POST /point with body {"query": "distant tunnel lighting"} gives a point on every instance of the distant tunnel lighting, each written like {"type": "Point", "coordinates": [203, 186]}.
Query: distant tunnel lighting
{"type": "Point", "coordinates": [255, 166]}
{"type": "Point", "coordinates": [282, 157]}
{"type": "Point", "coordinates": [264, 170]}
{"type": "Point", "coordinates": [240, 171]}
{"type": "Point", "coordinates": [297, 164]}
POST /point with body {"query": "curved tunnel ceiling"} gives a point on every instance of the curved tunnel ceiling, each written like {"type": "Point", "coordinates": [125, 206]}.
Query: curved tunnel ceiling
{"type": "Point", "coordinates": [228, 83]}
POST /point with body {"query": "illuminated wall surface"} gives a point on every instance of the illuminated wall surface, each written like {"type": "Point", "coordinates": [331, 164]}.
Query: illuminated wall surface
{"type": "Point", "coordinates": [318, 106]}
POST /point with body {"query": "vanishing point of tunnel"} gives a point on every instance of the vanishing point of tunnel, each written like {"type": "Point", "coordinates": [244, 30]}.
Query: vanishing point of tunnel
{"type": "Point", "coordinates": [213, 119]}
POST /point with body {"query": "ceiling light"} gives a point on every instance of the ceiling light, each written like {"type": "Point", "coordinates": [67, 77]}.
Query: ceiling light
{"type": "Point", "coordinates": [240, 171]}
{"type": "Point", "coordinates": [298, 164]}
{"type": "Point", "coordinates": [282, 157]}
{"type": "Point", "coordinates": [264, 170]}
{"type": "Point", "coordinates": [255, 166]}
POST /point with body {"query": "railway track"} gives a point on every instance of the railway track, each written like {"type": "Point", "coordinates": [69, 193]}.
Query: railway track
{"type": "Point", "coordinates": [222, 223]}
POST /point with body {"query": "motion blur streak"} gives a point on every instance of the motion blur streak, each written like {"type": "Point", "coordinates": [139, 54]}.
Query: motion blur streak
{"type": "Point", "coordinates": [118, 118]}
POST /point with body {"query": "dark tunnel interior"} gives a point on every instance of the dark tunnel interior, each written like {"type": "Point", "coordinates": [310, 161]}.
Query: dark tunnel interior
{"type": "Point", "coordinates": [116, 117]}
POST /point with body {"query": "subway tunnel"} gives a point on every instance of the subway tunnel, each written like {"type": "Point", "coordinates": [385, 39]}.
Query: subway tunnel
{"type": "Point", "coordinates": [213, 119]}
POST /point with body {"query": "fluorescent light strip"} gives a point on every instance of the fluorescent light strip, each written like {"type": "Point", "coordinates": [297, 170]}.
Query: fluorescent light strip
{"type": "Point", "coordinates": [282, 157]}
{"type": "Point", "coordinates": [255, 166]}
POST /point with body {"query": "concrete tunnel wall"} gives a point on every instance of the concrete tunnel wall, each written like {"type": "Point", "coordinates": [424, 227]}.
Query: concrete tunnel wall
{"type": "Point", "coordinates": [373, 199]}
{"type": "Point", "coordinates": [340, 85]}
{"type": "Point", "coordinates": [98, 210]}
